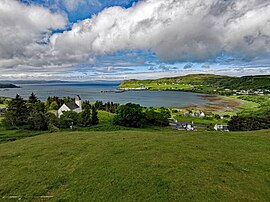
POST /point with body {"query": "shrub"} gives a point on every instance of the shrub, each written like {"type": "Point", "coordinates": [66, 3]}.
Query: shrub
{"type": "Point", "coordinates": [37, 121]}
{"type": "Point", "coordinates": [17, 113]}
{"type": "Point", "coordinates": [94, 120]}
{"type": "Point", "coordinates": [52, 128]}
{"type": "Point", "coordinates": [52, 119]}
{"type": "Point", "coordinates": [54, 106]}
{"type": "Point", "coordinates": [250, 122]}
{"type": "Point", "coordinates": [130, 115]}
{"type": "Point", "coordinates": [66, 122]}
{"type": "Point", "coordinates": [157, 118]}
{"type": "Point", "coordinates": [85, 117]}
{"type": "Point", "coordinates": [69, 119]}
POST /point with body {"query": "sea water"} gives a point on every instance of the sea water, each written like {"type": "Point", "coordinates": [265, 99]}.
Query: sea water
{"type": "Point", "coordinates": [107, 92]}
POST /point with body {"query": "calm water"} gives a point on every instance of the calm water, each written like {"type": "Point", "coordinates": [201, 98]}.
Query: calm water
{"type": "Point", "coordinates": [92, 92]}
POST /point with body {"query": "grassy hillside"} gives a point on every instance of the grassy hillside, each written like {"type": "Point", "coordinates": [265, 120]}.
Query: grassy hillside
{"type": "Point", "coordinates": [201, 83]}
{"type": "Point", "coordinates": [12, 135]}
{"type": "Point", "coordinates": [137, 165]}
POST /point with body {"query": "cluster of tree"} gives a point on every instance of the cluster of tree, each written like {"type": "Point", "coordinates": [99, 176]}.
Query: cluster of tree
{"type": "Point", "coordinates": [108, 106]}
{"type": "Point", "coordinates": [32, 114]}
{"type": "Point", "coordinates": [4, 100]}
{"type": "Point", "coordinates": [88, 117]}
{"type": "Point", "coordinates": [250, 122]}
{"type": "Point", "coordinates": [133, 115]}
{"type": "Point", "coordinates": [54, 103]}
{"type": "Point", "coordinates": [28, 114]}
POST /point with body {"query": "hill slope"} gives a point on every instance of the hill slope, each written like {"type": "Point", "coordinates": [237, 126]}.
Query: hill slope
{"type": "Point", "coordinates": [137, 165]}
{"type": "Point", "coordinates": [201, 83]}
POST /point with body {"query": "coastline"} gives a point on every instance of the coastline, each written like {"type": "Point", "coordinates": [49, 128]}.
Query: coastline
{"type": "Point", "coordinates": [217, 103]}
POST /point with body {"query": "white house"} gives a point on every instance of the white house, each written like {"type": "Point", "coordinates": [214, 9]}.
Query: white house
{"type": "Point", "coordinates": [71, 106]}
{"type": "Point", "coordinates": [202, 114]}
{"type": "Point", "coordinates": [195, 114]}
{"type": "Point", "coordinates": [221, 128]}
{"type": "Point", "coordinates": [183, 126]}
{"type": "Point", "coordinates": [221, 116]}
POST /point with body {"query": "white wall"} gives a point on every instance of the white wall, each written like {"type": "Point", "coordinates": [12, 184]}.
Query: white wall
{"type": "Point", "coordinates": [78, 110]}
{"type": "Point", "coordinates": [62, 109]}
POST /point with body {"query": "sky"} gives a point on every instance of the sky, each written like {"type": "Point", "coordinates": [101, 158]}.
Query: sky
{"type": "Point", "coordinates": [132, 39]}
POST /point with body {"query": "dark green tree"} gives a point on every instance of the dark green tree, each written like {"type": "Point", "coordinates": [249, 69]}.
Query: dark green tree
{"type": "Point", "coordinates": [85, 116]}
{"type": "Point", "coordinates": [53, 106]}
{"type": "Point", "coordinates": [40, 107]}
{"type": "Point", "coordinates": [37, 121]}
{"type": "Point", "coordinates": [52, 119]}
{"type": "Point", "coordinates": [71, 116]}
{"type": "Point", "coordinates": [17, 113]}
{"type": "Point", "coordinates": [99, 105]}
{"type": "Point", "coordinates": [86, 104]}
{"type": "Point", "coordinates": [256, 121]}
{"type": "Point", "coordinates": [157, 118]}
{"type": "Point", "coordinates": [33, 99]}
{"type": "Point", "coordinates": [95, 119]}
{"type": "Point", "coordinates": [66, 122]}
{"type": "Point", "coordinates": [130, 115]}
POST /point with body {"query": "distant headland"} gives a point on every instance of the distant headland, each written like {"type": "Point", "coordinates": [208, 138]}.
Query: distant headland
{"type": "Point", "coordinates": [4, 85]}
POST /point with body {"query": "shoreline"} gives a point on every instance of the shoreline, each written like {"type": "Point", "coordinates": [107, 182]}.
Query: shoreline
{"type": "Point", "coordinates": [217, 103]}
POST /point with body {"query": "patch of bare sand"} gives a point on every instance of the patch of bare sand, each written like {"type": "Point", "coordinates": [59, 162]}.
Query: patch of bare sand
{"type": "Point", "coordinates": [217, 103]}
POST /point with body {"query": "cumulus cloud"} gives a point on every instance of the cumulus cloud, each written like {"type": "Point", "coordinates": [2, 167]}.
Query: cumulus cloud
{"type": "Point", "coordinates": [194, 30]}
{"type": "Point", "coordinates": [205, 66]}
{"type": "Point", "coordinates": [175, 30]}
{"type": "Point", "coordinates": [23, 31]}
{"type": "Point", "coordinates": [72, 4]}
{"type": "Point", "coordinates": [111, 69]}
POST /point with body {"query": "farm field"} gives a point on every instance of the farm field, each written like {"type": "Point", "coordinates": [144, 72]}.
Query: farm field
{"type": "Point", "coordinates": [137, 165]}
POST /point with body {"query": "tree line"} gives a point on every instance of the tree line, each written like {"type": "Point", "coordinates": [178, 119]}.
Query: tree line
{"type": "Point", "coordinates": [108, 106]}
{"type": "Point", "coordinates": [133, 115]}
{"type": "Point", "coordinates": [33, 114]}
{"type": "Point", "coordinates": [256, 121]}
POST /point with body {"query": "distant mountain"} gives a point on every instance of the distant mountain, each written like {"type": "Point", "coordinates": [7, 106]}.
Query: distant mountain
{"type": "Point", "coordinates": [19, 82]}
{"type": "Point", "coordinates": [32, 81]}
{"type": "Point", "coordinates": [2, 85]}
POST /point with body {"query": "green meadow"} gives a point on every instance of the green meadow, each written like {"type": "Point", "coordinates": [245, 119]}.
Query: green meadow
{"type": "Point", "coordinates": [204, 83]}
{"type": "Point", "coordinates": [137, 165]}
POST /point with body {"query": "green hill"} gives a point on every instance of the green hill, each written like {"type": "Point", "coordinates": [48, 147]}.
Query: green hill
{"type": "Point", "coordinates": [206, 83]}
{"type": "Point", "coordinates": [137, 165]}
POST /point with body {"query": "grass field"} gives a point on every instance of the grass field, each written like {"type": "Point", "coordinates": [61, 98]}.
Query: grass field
{"type": "Point", "coordinates": [12, 135]}
{"type": "Point", "coordinates": [200, 121]}
{"type": "Point", "coordinates": [202, 82]}
{"type": "Point", "coordinates": [137, 165]}
{"type": "Point", "coordinates": [2, 105]}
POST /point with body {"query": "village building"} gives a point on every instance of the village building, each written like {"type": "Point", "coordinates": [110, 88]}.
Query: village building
{"type": "Point", "coordinates": [221, 116]}
{"type": "Point", "coordinates": [221, 128]}
{"type": "Point", "coordinates": [195, 114]}
{"type": "Point", "coordinates": [183, 126]}
{"type": "Point", "coordinates": [75, 106]}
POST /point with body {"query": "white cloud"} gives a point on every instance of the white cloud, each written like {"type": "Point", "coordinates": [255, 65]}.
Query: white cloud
{"type": "Point", "coordinates": [174, 30]}
{"type": "Point", "coordinates": [23, 28]}
{"type": "Point", "coordinates": [72, 4]}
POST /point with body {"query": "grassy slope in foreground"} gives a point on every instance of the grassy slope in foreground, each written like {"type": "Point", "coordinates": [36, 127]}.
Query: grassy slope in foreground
{"type": "Point", "coordinates": [138, 165]}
